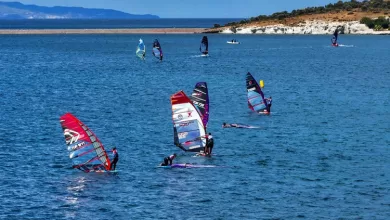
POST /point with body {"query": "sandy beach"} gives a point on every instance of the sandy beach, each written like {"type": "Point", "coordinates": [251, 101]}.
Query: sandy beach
{"type": "Point", "coordinates": [106, 31]}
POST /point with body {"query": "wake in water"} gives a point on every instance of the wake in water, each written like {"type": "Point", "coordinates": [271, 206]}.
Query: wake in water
{"type": "Point", "coordinates": [342, 45]}
{"type": "Point", "coordinates": [193, 56]}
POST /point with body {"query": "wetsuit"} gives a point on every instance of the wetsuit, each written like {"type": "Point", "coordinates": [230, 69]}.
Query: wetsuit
{"type": "Point", "coordinates": [168, 160]}
{"type": "Point", "coordinates": [116, 158]}
{"type": "Point", "coordinates": [210, 144]}
{"type": "Point", "coordinates": [269, 104]}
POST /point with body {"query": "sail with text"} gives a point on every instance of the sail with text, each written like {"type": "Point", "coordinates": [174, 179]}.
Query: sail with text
{"type": "Point", "coordinates": [200, 98]}
{"type": "Point", "coordinates": [204, 45]}
{"type": "Point", "coordinates": [189, 131]}
{"type": "Point", "coordinates": [335, 38]}
{"type": "Point", "coordinates": [157, 50]}
{"type": "Point", "coordinates": [85, 150]}
{"type": "Point", "coordinates": [256, 100]}
{"type": "Point", "coordinates": [141, 49]}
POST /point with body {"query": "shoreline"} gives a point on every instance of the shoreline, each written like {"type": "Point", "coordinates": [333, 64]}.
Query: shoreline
{"type": "Point", "coordinates": [308, 27]}
{"type": "Point", "coordinates": [105, 31]}
{"type": "Point", "coordinates": [316, 27]}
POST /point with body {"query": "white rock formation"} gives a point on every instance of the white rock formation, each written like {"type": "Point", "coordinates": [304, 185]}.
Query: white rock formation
{"type": "Point", "coordinates": [308, 27]}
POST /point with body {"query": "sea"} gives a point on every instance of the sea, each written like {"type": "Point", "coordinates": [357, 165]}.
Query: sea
{"type": "Point", "coordinates": [323, 153]}
{"type": "Point", "coordinates": [116, 23]}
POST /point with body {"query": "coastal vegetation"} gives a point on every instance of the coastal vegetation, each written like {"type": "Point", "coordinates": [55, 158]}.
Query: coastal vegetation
{"type": "Point", "coordinates": [381, 23]}
{"type": "Point", "coordinates": [340, 11]}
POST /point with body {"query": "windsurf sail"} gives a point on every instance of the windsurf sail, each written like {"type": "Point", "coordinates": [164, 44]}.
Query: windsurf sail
{"type": "Point", "coordinates": [141, 49]}
{"type": "Point", "coordinates": [204, 45]}
{"type": "Point", "coordinates": [335, 37]}
{"type": "Point", "coordinates": [85, 150]}
{"type": "Point", "coordinates": [200, 98]}
{"type": "Point", "coordinates": [157, 51]}
{"type": "Point", "coordinates": [189, 131]}
{"type": "Point", "coordinates": [256, 100]}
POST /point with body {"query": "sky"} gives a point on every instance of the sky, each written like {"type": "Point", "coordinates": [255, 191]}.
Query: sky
{"type": "Point", "coordinates": [188, 8]}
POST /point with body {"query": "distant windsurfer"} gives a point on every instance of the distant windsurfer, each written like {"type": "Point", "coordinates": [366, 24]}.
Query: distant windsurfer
{"type": "Point", "coordinates": [156, 45]}
{"type": "Point", "coordinates": [205, 45]}
{"type": "Point", "coordinates": [115, 160]}
{"type": "Point", "coordinates": [224, 125]}
{"type": "Point", "coordinates": [335, 36]}
{"type": "Point", "coordinates": [168, 160]}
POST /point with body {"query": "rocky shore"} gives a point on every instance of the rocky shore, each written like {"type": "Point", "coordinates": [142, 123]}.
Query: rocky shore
{"type": "Point", "coordinates": [307, 27]}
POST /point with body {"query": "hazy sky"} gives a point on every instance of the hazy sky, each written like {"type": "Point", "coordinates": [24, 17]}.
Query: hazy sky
{"type": "Point", "coordinates": [189, 8]}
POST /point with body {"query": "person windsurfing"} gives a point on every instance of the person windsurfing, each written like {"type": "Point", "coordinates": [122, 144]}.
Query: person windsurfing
{"type": "Point", "coordinates": [269, 104]}
{"type": "Point", "coordinates": [157, 52]}
{"type": "Point", "coordinates": [141, 43]}
{"type": "Point", "coordinates": [210, 144]}
{"type": "Point", "coordinates": [334, 38]}
{"type": "Point", "coordinates": [224, 125]}
{"type": "Point", "coordinates": [115, 160]}
{"type": "Point", "coordinates": [204, 45]}
{"type": "Point", "coordinates": [168, 160]}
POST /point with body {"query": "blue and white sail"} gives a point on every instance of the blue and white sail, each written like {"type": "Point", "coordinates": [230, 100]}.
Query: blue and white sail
{"type": "Point", "coordinates": [141, 49]}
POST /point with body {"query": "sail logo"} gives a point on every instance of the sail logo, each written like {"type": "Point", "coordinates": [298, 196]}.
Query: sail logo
{"type": "Point", "coordinates": [198, 104]}
{"type": "Point", "coordinates": [252, 89]}
{"type": "Point", "coordinates": [183, 124]}
{"type": "Point", "coordinates": [71, 136]}
{"type": "Point", "coordinates": [78, 146]}
{"type": "Point", "coordinates": [182, 135]}
{"type": "Point", "coordinates": [180, 117]}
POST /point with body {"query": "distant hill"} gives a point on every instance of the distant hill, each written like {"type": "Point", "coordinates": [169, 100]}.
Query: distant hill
{"type": "Point", "coordinates": [340, 11]}
{"type": "Point", "coordinates": [17, 10]}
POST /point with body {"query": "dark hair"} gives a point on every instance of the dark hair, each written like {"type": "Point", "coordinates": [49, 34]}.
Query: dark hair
{"type": "Point", "coordinates": [209, 133]}
{"type": "Point", "coordinates": [114, 148]}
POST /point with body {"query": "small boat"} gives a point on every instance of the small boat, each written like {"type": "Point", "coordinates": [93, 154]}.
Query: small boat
{"type": "Point", "coordinates": [233, 42]}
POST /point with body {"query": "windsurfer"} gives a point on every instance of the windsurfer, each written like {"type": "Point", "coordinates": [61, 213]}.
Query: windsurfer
{"type": "Point", "coordinates": [224, 125]}
{"type": "Point", "coordinates": [210, 144]}
{"type": "Point", "coordinates": [168, 160]}
{"type": "Point", "coordinates": [269, 104]}
{"type": "Point", "coordinates": [116, 157]}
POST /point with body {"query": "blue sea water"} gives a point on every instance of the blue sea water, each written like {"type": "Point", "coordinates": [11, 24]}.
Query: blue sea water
{"type": "Point", "coordinates": [322, 154]}
{"type": "Point", "coordinates": [115, 23]}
